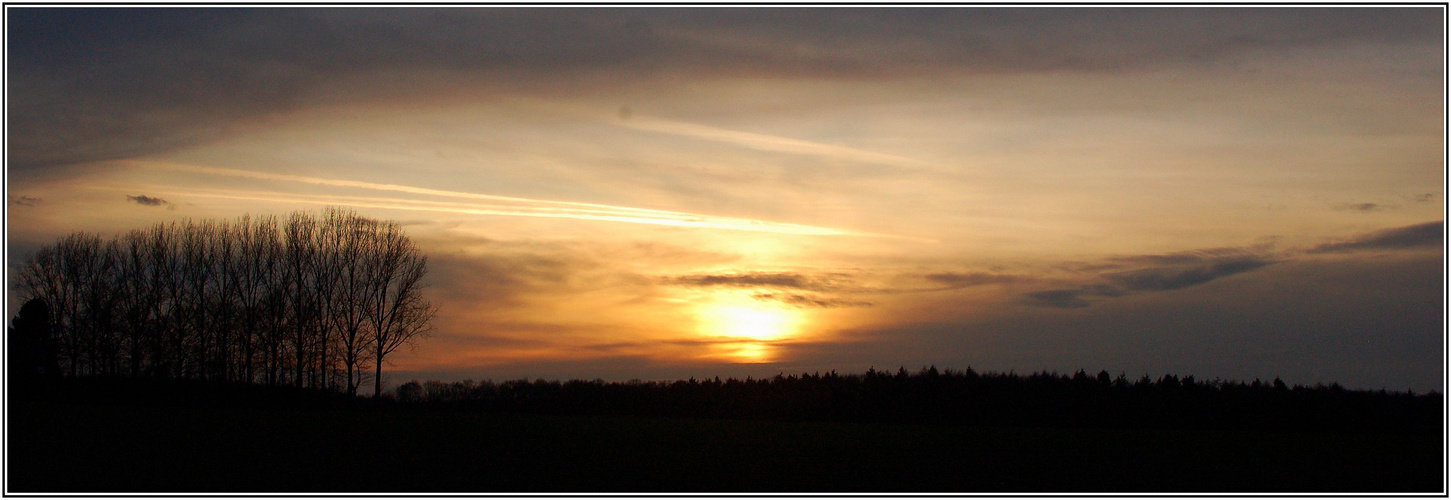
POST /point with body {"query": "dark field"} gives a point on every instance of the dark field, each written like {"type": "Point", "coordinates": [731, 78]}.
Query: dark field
{"type": "Point", "coordinates": [66, 446]}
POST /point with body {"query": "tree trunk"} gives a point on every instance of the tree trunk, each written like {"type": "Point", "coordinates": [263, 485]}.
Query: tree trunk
{"type": "Point", "coordinates": [378, 378]}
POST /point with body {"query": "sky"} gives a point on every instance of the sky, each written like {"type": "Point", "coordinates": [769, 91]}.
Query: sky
{"type": "Point", "coordinates": [659, 193]}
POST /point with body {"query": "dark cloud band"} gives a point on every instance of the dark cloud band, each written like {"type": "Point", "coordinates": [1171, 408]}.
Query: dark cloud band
{"type": "Point", "coordinates": [1420, 235]}
{"type": "Point", "coordinates": [768, 280]}
{"type": "Point", "coordinates": [91, 84]}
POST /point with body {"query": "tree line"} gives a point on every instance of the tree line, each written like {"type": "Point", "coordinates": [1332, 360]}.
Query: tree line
{"type": "Point", "coordinates": [312, 300]}
{"type": "Point", "coordinates": [961, 397]}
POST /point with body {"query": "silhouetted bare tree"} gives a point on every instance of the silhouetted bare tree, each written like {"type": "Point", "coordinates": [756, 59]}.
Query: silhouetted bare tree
{"type": "Point", "coordinates": [320, 299]}
{"type": "Point", "coordinates": [302, 284]}
{"type": "Point", "coordinates": [351, 239]}
{"type": "Point", "coordinates": [247, 272]}
{"type": "Point", "coordinates": [397, 312]}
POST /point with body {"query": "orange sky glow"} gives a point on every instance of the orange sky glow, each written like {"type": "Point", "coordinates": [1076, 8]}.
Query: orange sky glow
{"type": "Point", "coordinates": [666, 193]}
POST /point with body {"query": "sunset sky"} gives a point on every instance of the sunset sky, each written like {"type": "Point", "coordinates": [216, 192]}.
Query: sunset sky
{"type": "Point", "coordinates": [662, 193]}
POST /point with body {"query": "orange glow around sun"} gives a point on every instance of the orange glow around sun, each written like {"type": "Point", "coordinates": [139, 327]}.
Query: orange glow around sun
{"type": "Point", "coordinates": [747, 328]}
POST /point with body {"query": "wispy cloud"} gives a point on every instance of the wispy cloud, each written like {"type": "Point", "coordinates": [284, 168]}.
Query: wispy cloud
{"type": "Point", "coordinates": [25, 201]}
{"type": "Point", "coordinates": [149, 201]}
{"type": "Point", "coordinates": [952, 281]}
{"type": "Point", "coordinates": [509, 276]}
{"type": "Point", "coordinates": [806, 300]}
{"type": "Point", "coordinates": [1361, 207]}
{"type": "Point", "coordinates": [822, 290]}
{"type": "Point", "coordinates": [796, 281]}
{"type": "Point", "coordinates": [1174, 278]}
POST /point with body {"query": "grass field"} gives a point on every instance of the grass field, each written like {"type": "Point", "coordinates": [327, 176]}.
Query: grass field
{"type": "Point", "coordinates": [83, 447]}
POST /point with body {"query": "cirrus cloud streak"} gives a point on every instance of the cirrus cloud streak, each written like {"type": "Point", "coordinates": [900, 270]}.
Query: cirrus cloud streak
{"type": "Point", "coordinates": [502, 205]}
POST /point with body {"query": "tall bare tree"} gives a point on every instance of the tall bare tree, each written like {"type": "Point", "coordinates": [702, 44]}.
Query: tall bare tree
{"type": "Point", "coordinates": [101, 283]}
{"type": "Point", "coordinates": [166, 283]}
{"type": "Point", "coordinates": [301, 278]}
{"type": "Point", "coordinates": [199, 278]}
{"type": "Point", "coordinates": [80, 259]}
{"type": "Point", "coordinates": [351, 244]}
{"type": "Point", "coordinates": [222, 360]}
{"type": "Point", "coordinates": [248, 270]}
{"type": "Point", "coordinates": [136, 297]}
{"type": "Point", "coordinates": [268, 255]}
{"type": "Point", "coordinates": [398, 312]}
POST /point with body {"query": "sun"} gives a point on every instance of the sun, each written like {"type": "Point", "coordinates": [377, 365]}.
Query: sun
{"type": "Point", "coordinates": [760, 324]}
{"type": "Point", "coordinates": [748, 321]}
{"type": "Point", "coordinates": [745, 329]}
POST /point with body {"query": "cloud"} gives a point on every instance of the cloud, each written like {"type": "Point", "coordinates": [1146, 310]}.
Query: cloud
{"type": "Point", "coordinates": [999, 40]}
{"type": "Point", "coordinates": [1368, 207]}
{"type": "Point", "coordinates": [820, 290]}
{"type": "Point", "coordinates": [25, 201]}
{"type": "Point", "coordinates": [1151, 273]}
{"type": "Point", "coordinates": [836, 289]}
{"type": "Point", "coordinates": [484, 340]}
{"type": "Point", "coordinates": [90, 84]}
{"type": "Point", "coordinates": [1190, 257]}
{"type": "Point", "coordinates": [149, 201]}
{"type": "Point", "coordinates": [1063, 299]}
{"type": "Point", "coordinates": [1416, 236]}
{"type": "Point", "coordinates": [800, 300]}
{"type": "Point", "coordinates": [1174, 278]}
{"type": "Point", "coordinates": [964, 280]}
{"type": "Point", "coordinates": [1361, 207]}
{"type": "Point", "coordinates": [840, 289]}
{"type": "Point", "coordinates": [500, 278]}
{"type": "Point", "coordinates": [1175, 271]}
{"type": "Point", "coordinates": [820, 283]}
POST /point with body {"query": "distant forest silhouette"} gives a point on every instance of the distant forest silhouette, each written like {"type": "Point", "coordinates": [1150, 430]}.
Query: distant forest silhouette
{"type": "Point", "coordinates": [948, 431]}
{"type": "Point", "coordinates": [313, 301]}
{"type": "Point", "coordinates": [967, 397]}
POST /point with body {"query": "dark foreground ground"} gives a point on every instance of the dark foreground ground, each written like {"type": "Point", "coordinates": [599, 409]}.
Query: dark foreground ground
{"type": "Point", "coordinates": [71, 446]}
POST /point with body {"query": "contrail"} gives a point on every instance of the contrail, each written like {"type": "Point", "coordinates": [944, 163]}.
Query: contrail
{"type": "Point", "coordinates": [229, 172]}
{"type": "Point", "coordinates": [769, 143]}
{"type": "Point", "coordinates": [702, 222]}
{"type": "Point", "coordinates": [502, 205]}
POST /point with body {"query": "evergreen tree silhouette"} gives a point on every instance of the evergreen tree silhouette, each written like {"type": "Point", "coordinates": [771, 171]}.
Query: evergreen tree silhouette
{"type": "Point", "coordinates": [31, 346]}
